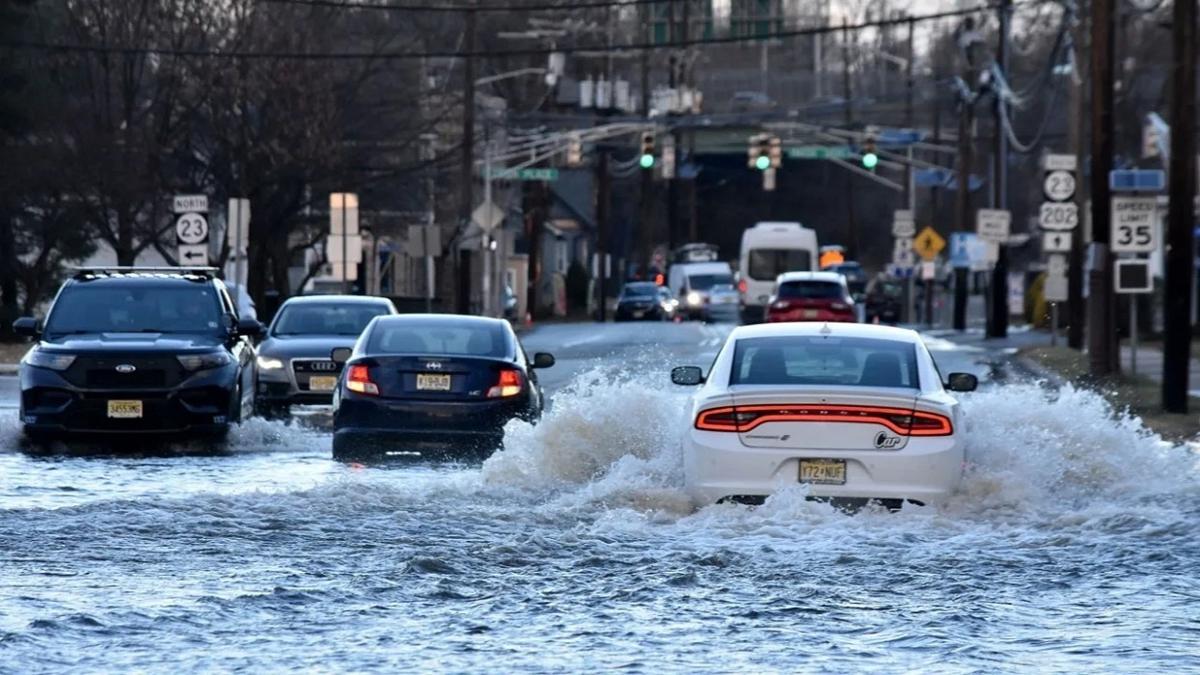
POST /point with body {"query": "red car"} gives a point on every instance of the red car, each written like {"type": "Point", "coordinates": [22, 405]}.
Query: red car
{"type": "Point", "coordinates": [811, 296]}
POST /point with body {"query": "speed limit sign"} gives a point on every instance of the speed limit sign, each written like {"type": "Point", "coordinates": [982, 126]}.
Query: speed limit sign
{"type": "Point", "coordinates": [191, 228]}
{"type": "Point", "coordinates": [1059, 186]}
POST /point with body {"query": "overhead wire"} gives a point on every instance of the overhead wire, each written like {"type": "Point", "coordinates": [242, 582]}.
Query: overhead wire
{"type": "Point", "coordinates": [451, 7]}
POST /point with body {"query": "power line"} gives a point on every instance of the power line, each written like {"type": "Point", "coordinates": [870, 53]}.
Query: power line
{"type": "Point", "coordinates": [530, 51]}
{"type": "Point", "coordinates": [448, 7]}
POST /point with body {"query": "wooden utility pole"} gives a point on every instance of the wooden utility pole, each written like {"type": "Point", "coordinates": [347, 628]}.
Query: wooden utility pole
{"type": "Point", "coordinates": [466, 176]}
{"type": "Point", "coordinates": [1102, 325]}
{"type": "Point", "coordinates": [603, 190]}
{"type": "Point", "coordinates": [1076, 306]}
{"type": "Point", "coordinates": [1181, 245]}
{"type": "Point", "coordinates": [846, 92]}
{"type": "Point", "coordinates": [997, 325]}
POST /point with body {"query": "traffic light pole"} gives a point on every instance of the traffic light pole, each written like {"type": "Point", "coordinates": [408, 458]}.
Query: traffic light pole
{"type": "Point", "coordinates": [1181, 245]}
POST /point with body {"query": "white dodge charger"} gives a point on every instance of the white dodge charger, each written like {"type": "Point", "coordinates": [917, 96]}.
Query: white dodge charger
{"type": "Point", "coordinates": [857, 411]}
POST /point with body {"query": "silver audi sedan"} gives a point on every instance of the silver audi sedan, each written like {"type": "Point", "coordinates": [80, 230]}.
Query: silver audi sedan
{"type": "Point", "coordinates": [293, 361]}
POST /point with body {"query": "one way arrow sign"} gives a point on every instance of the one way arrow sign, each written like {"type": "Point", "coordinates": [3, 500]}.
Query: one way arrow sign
{"type": "Point", "coordinates": [1056, 242]}
{"type": "Point", "coordinates": [193, 255]}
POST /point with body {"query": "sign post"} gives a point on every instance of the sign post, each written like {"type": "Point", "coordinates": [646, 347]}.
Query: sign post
{"type": "Point", "coordinates": [191, 230]}
{"type": "Point", "coordinates": [237, 235]}
{"type": "Point", "coordinates": [1133, 278]}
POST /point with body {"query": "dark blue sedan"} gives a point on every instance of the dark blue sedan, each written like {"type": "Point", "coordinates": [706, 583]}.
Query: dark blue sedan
{"type": "Point", "coordinates": [433, 384]}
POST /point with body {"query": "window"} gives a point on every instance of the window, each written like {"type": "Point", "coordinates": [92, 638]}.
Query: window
{"type": "Point", "coordinates": [639, 290]}
{"type": "Point", "coordinates": [186, 307]}
{"type": "Point", "coordinates": [811, 290]}
{"type": "Point", "coordinates": [704, 282]}
{"type": "Point", "coordinates": [439, 337]}
{"type": "Point", "coordinates": [822, 360]}
{"type": "Point", "coordinates": [767, 263]}
{"type": "Point", "coordinates": [325, 319]}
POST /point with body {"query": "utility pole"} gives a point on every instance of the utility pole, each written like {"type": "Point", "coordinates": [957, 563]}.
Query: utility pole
{"type": "Point", "coordinates": [603, 189]}
{"type": "Point", "coordinates": [909, 84]}
{"type": "Point", "coordinates": [998, 321]}
{"type": "Point", "coordinates": [1102, 328]}
{"type": "Point", "coordinates": [644, 234]}
{"type": "Point", "coordinates": [467, 168]}
{"type": "Point", "coordinates": [1181, 245]}
{"type": "Point", "coordinates": [1076, 305]}
{"type": "Point", "coordinates": [849, 111]}
{"type": "Point", "coordinates": [966, 121]}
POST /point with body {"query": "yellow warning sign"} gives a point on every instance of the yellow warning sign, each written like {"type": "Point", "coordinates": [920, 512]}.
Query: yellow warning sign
{"type": "Point", "coordinates": [928, 243]}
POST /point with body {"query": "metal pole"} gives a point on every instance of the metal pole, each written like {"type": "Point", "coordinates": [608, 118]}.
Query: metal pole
{"type": "Point", "coordinates": [486, 236]}
{"type": "Point", "coordinates": [237, 249]}
{"type": "Point", "coordinates": [345, 250]}
{"type": "Point", "coordinates": [467, 168]}
{"type": "Point", "coordinates": [1177, 332]}
{"type": "Point", "coordinates": [428, 270]}
{"type": "Point", "coordinates": [1054, 324]}
{"type": "Point", "coordinates": [1133, 334]}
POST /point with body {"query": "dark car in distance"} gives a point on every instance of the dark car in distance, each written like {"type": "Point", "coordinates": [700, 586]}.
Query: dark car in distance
{"type": "Point", "coordinates": [138, 351]}
{"type": "Point", "coordinates": [641, 300]}
{"type": "Point", "coordinates": [433, 384]}
{"type": "Point", "coordinates": [293, 361]}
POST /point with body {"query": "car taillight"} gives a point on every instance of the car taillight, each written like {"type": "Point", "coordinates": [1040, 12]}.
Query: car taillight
{"type": "Point", "coordinates": [782, 304]}
{"type": "Point", "coordinates": [358, 379]}
{"type": "Point", "coordinates": [743, 286]}
{"type": "Point", "coordinates": [901, 421]}
{"type": "Point", "coordinates": [509, 384]}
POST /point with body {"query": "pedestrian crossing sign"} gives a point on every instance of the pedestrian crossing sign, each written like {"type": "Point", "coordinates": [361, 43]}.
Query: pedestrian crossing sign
{"type": "Point", "coordinates": [928, 243]}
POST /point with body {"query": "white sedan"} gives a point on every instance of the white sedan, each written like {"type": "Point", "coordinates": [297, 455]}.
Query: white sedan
{"type": "Point", "coordinates": [856, 411]}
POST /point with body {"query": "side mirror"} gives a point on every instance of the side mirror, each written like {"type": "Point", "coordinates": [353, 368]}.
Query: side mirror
{"type": "Point", "coordinates": [687, 376]}
{"type": "Point", "coordinates": [962, 382]}
{"type": "Point", "coordinates": [250, 328]}
{"type": "Point", "coordinates": [27, 326]}
{"type": "Point", "coordinates": [543, 360]}
{"type": "Point", "coordinates": [341, 354]}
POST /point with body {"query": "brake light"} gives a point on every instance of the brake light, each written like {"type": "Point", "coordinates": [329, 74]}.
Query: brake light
{"type": "Point", "coordinates": [898, 420]}
{"type": "Point", "coordinates": [509, 384]}
{"type": "Point", "coordinates": [358, 379]}
{"type": "Point", "coordinates": [743, 286]}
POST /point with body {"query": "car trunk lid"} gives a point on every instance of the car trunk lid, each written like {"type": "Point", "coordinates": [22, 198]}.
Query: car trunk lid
{"type": "Point", "coordinates": [823, 418]}
{"type": "Point", "coordinates": [438, 378]}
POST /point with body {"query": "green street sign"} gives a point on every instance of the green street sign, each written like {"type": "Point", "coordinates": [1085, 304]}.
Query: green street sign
{"type": "Point", "coordinates": [532, 173]}
{"type": "Point", "coordinates": [820, 152]}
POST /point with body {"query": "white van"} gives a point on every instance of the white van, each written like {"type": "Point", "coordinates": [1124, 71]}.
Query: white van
{"type": "Point", "coordinates": [768, 250]}
{"type": "Point", "coordinates": [704, 289]}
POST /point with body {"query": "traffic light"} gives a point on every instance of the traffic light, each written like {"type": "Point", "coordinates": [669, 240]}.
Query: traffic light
{"type": "Point", "coordinates": [574, 150]}
{"type": "Point", "coordinates": [869, 157]}
{"type": "Point", "coordinates": [758, 153]}
{"type": "Point", "coordinates": [646, 160]}
{"type": "Point", "coordinates": [776, 152]}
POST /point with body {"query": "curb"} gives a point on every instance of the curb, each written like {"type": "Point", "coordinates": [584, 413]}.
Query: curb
{"type": "Point", "coordinates": [8, 369]}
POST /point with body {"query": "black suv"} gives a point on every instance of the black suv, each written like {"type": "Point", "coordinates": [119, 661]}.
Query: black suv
{"type": "Point", "coordinates": [135, 350]}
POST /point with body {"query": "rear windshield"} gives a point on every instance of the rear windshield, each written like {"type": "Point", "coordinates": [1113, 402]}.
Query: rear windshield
{"type": "Point", "coordinates": [439, 337]}
{"type": "Point", "coordinates": [325, 319]}
{"type": "Point", "coordinates": [811, 290]}
{"type": "Point", "coordinates": [703, 282]}
{"type": "Point", "coordinates": [768, 263]}
{"type": "Point", "coordinates": [800, 360]}
{"type": "Point", "coordinates": [639, 290]}
{"type": "Point", "coordinates": [184, 307]}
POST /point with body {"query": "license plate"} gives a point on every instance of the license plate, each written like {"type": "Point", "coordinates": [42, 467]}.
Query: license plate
{"type": "Point", "coordinates": [322, 383]}
{"type": "Point", "coordinates": [637, 313]}
{"type": "Point", "coordinates": [810, 314]}
{"type": "Point", "coordinates": [433, 382]}
{"type": "Point", "coordinates": [125, 409]}
{"type": "Point", "coordinates": [727, 301]}
{"type": "Point", "coordinates": [823, 471]}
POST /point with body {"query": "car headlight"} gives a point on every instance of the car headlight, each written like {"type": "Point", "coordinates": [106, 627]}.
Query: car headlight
{"type": "Point", "coordinates": [269, 363]}
{"type": "Point", "coordinates": [693, 298]}
{"type": "Point", "coordinates": [43, 359]}
{"type": "Point", "coordinates": [204, 361]}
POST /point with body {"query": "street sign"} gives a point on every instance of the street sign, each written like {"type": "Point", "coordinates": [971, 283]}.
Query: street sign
{"type": "Point", "coordinates": [1137, 180]}
{"type": "Point", "coordinates": [343, 213]}
{"type": "Point", "coordinates": [548, 174]}
{"type": "Point", "coordinates": [1059, 216]}
{"type": "Point", "coordinates": [1056, 265]}
{"type": "Point", "coordinates": [1056, 242]}
{"type": "Point", "coordinates": [820, 152]}
{"type": "Point", "coordinates": [903, 224]}
{"type": "Point", "coordinates": [903, 255]}
{"type": "Point", "coordinates": [1059, 186]}
{"type": "Point", "coordinates": [928, 270]}
{"type": "Point", "coordinates": [488, 216]}
{"type": "Point", "coordinates": [1134, 224]}
{"type": "Point", "coordinates": [193, 255]}
{"type": "Point", "coordinates": [1052, 162]}
{"type": "Point", "coordinates": [191, 228]}
{"type": "Point", "coordinates": [344, 247]}
{"type": "Point", "coordinates": [928, 243]}
{"type": "Point", "coordinates": [968, 249]}
{"type": "Point", "coordinates": [1055, 288]}
{"type": "Point", "coordinates": [1133, 276]}
{"type": "Point", "coordinates": [993, 224]}
{"type": "Point", "coordinates": [344, 270]}
{"type": "Point", "coordinates": [424, 240]}
{"type": "Point", "coordinates": [190, 204]}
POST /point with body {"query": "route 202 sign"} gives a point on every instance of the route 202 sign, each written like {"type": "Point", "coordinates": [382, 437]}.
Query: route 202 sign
{"type": "Point", "coordinates": [1134, 224]}
{"type": "Point", "coordinates": [1059, 216]}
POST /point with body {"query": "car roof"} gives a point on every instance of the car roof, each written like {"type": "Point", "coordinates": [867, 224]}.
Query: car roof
{"type": "Point", "coordinates": [819, 328]}
{"type": "Point", "coordinates": [834, 277]}
{"type": "Point", "coordinates": [139, 279]}
{"type": "Point", "coordinates": [334, 297]}
{"type": "Point", "coordinates": [442, 319]}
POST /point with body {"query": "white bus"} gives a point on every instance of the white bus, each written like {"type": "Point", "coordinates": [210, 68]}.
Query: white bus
{"type": "Point", "coordinates": [768, 250]}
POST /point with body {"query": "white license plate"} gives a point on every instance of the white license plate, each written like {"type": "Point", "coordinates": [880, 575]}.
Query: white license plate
{"type": "Point", "coordinates": [125, 410]}
{"type": "Point", "coordinates": [823, 471]}
{"type": "Point", "coordinates": [638, 313]}
{"type": "Point", "coordinates": [810, 314]}
{"type": "Point", "coordinates": [433, 382]}
{"type": "Point", "coordinates": [322, 383]}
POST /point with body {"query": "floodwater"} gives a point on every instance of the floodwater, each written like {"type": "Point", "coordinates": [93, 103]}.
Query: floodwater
{"type": "Point", "coordinates": [1074, 546]}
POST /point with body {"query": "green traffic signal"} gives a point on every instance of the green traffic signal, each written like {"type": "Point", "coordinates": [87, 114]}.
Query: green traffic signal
{"type": "Point", "coordinates": [762, 163]}
{"type": "Point", "coordinates": [869, 160]}
{"type": "Point", "coordinates": [647, 161]}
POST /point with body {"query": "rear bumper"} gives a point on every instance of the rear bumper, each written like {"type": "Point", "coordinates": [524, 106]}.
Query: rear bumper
{"type": "Point", "coordinates": [365, 442]}
{"type": "Point", "coordinates": [718, 466]}
{"type": "Point", "coordinates": [821, 315]}
{"type": "Point", "coordinates": [283, 393]}
{"type": "Point", "coordinates": [379, 425]}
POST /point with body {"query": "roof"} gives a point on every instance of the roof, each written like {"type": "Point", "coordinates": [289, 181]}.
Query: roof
{"type": "Point", "coordinates": [817, 328]}
{"type": "Point", "coordinates": [704, 267]}
{"type": "Point", "coordinates": [335, 297]}
{"type": "Point", "coordinates": [442, 319]}
{"type": "Point", "coordinates": [832, 277]}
